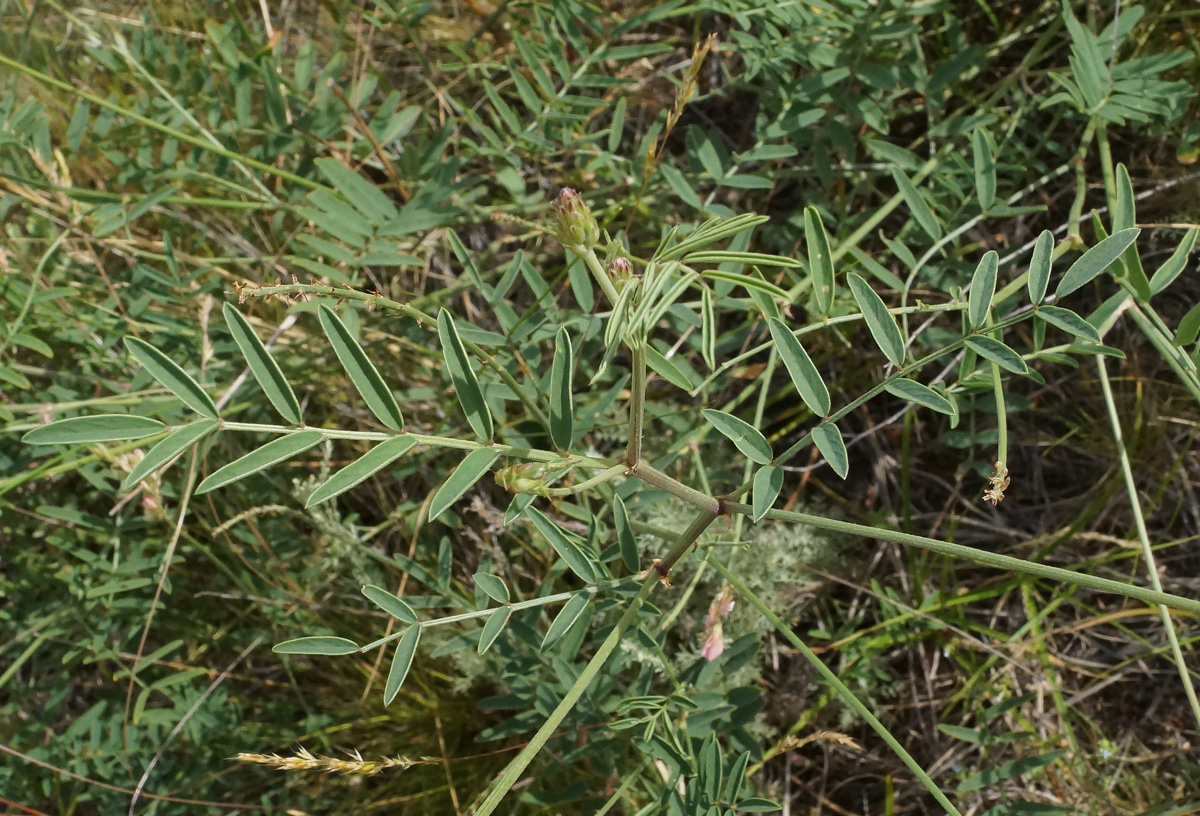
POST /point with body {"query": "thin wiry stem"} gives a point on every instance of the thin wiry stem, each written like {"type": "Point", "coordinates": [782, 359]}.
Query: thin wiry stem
{"type": "Point", "coordinates": [1144, 536]}
{"type": "Point", "coordinates": [842, 689]}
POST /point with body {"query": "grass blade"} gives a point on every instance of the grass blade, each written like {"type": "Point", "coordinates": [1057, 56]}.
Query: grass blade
{"type": "Point", "coordinates": [389, 603]}
{"type": "Point", "coordinates": [562, 417]}
{"type": "Point", "coordinates": [768, 481]}
{"type": "Point", "coordinates": [272, 453]}
{"type": "Point", "coordinates": [361, 370]}
{"type": "Point", "coordinates": [879, 320]}
{"type": "Point", "coordinates": [829, 442]}
{"type": "Point", "coordinates": [97, 428]}
{"type": "Point", "coordinates": [574, 557]}
{"type": "Point", "coordinates": [983, 289]}
{"type": "Point", "coordinates": [917, 205]}
{"type": "Point", "coordinates": [180, 440]}
{"type": "Point", "coordinates": [493, 628]}
{"type": "Point", "coordinates": [800, 368]}
{"type": "Point", "coordinates": [820, 260]}
{"type": "Point", "coordinates": [466, 386]}
{"type": "Point", "coordinates": [316, 645]}
{"type": "Point", "coordinates": [402, 660]}
{"type": "Point", "coordinates": [1039, 267]}
{"type": "Point", "coordinates": [172, 377]}
{"type": "Point", "coordinates": [262, 365]}
{"type": "Point", "coordinates": [1095, 261]}
{"type": "Point", "coordinates": [362, 468]}
{"type": "Point", "coordinates": [469, 471]}
{"type": "Point", "coordinates": [748, 439]}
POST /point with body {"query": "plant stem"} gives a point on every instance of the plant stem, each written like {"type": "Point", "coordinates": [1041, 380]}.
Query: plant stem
{"type": "Point", "coordinates": [989, 559]}
{"type": "Point", "coordinates": [483, 613]}
{"type": "Point", "coordinates": [600, 274]}
{"type": "Point", "coordinates": [531, 454]}
{"type": "Point", "coordinates": [599, 478]}
{"type": "Point", "coordinates": [653, 476]}
{"type": "Point", "coordinates": [1076, 215]}
{"type": "Point", "coordinates": [1144, 536]}
{"type": "Point", "coordinates": [521, 761]}
{"type": "Point", "coordinates": [637, 405]}
{"type": "Point", "coordinates": [842, 689]}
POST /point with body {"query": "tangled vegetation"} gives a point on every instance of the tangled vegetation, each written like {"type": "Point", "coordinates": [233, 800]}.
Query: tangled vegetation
{"type": "Point", "coordinates": [634, 408]}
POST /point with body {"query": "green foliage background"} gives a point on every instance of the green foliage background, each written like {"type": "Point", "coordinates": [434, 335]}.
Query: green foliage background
{"type": "Point", "coordinates": [159, 161]}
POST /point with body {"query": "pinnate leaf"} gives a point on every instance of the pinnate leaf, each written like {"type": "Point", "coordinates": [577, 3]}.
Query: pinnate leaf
{"type": "Point", "coordinates": [768, 481]}
{"type": "Point", "coordinates": [167, 449]}
{"type": "Point", "coordinates": [800, 368]}
{"type": "Point", "coordinates": [316, 645]}
{"type": "Point", "coordinates": [879, 320]}
{"type": "Point", "coordinates": [272, 453]}
{"type": "Point", "coordinates": [915, 392]}
{"type": "Point", "coordinates": [362, 468]}
{"type": "Point", "coordinates": [562, 419]}
{"type": "Point", "coordinates": [748, 439]}
{"type": "Point", "coordinates": [469, 471]}
{"type": "Point", "coordinates": [172, 377]}
{"type": "Point", "coordinates": [362, 371]}
{"type": "Point", "coordinates": [389, 603]}
{"type": "Point", "coordinates": [466, 386]}
{"type": "Point", "coordinates": [829, 442]}
{"type": "Point", "coordinates": [263, 366]}
{"type": "Point", "coordinates": [96, 428]}
{"type": "Point", "coordinates": [402, 660]}
{"type": "Point", "coordinates": [1096, 260]}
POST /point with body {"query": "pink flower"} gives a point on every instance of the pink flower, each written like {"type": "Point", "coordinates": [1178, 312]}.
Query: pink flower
{"type": "Point", "coordinates": [714, 644]}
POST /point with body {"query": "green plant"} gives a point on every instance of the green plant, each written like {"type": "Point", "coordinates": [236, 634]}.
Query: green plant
{"type": "Point", "coordinates": [641, 302]}
{"type": "Point", "coordinates": [586, 403]}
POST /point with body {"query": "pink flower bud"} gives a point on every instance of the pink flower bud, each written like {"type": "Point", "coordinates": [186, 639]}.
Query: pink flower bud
{"type": "Point", "coordinates": [577, 227]}
{"type": "Point", "coordinates": [714, 645]}
{"type": "Point", "coordinates": [621, 271]}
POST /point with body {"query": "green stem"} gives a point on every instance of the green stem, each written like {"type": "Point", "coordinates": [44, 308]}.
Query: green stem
{"type": "Point", "coordinates": [600, 478]}
{"type": "Point", "coordinates": [599, 273]}
{"type": "Point", "coordinates": [842, 689]}
{"type": "Point", "coordinates": [657, 478]}
{"type": "Point", "coordinates": [483, 613]}
{"type": "Point", "coordinates": [988, 559]}
{"type": "Point", "coordinates": [1039, 644]}
{"type": "Point", "coordinates": [1144, 536]}
{"type": "Point", "coordinates": [531, 454]}
{"type": "Point", "coordinates": [521, 761]}
{"type": "Point", "coordinates": [1076, 215]}
{"type": "Point", "coordinates": [637, 405]}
